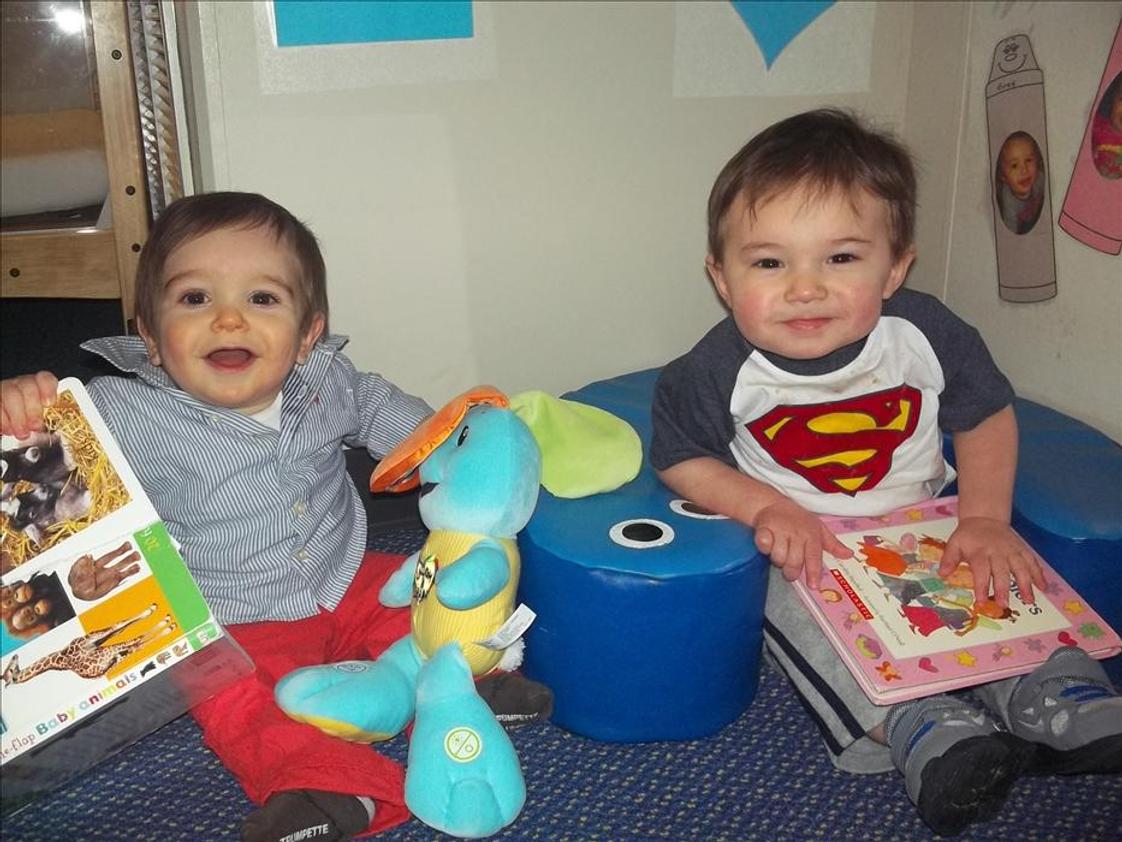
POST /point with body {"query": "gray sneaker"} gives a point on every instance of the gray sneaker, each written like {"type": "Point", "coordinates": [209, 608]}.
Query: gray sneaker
{"type": "Point", "coordinates": [1068, 707]}
{"type": "Point", "coordinates": [958, 762]}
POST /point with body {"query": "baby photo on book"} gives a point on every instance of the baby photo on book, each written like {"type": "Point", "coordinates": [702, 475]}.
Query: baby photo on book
{"type": "Point", "coordinates": [904, 631]}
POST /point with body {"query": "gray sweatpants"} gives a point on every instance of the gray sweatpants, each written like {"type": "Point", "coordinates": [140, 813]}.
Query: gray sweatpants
{"type": "Point", "coordinates": [834, 700]}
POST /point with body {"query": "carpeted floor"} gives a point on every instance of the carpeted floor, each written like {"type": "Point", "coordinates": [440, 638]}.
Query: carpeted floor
{"type": "Point", "coordinates": [763, 777]}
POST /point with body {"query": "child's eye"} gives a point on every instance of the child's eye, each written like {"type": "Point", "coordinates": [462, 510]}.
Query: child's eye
{"type": "Point", "coordinates": [845, 257]}
{"type": "Point", "coordinates": [264, 298]}
{"type": "Point", "coordinates": [767, 263]}
{"type": "Point", "coordinates": [193, 297]}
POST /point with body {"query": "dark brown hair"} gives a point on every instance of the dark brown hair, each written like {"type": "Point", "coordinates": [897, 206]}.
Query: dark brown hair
{"type": "Point", "coordinates": [823, 150]}
{"type": "Point", "coordinates": [193, 216]}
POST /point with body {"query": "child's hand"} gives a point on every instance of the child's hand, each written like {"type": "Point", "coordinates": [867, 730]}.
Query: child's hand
{"type": "Point", "coordinates": [22, 400]}
{"type": "Point", "coordinates": [994, 552]}
{"type": "Point", "coordinates": [794, 538]}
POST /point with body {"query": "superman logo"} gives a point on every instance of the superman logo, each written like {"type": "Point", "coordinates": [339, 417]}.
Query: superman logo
{"type": "Point", "coordinates": [844, 446]}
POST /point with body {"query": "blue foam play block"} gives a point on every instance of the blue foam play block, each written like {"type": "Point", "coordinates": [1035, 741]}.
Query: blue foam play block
{"type": "Point", "coordinates": [1067, 503]}
{"type": "Point", "coordinates": [655, 633]}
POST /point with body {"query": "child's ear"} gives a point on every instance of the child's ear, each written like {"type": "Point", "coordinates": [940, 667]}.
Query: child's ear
{"type": "Point", "coordinates": [899, 272]}
{"type": "Point", "coordinates": [717, 275]}
{"type": "Point", "coordinates": [311, 337]}
{"type": "Point", "coordinates": [149, 341]}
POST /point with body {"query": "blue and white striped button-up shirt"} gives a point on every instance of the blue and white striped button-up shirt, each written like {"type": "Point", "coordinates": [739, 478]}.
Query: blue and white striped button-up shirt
{"type": "Point", "coordinates": [271, 526]}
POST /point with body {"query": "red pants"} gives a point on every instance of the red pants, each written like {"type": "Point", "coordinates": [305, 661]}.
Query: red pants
{"type": "Point", "coordinates": [268, 752]}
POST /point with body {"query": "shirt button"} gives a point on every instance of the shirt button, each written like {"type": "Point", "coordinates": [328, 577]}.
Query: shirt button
{"type": "Point", "coordinates": [299, 508]}
{"type": "Point", "coordinates": [301, 554]}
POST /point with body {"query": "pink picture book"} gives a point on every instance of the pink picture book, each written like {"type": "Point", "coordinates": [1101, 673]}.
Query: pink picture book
{"type": "Point", "coordinates": [905, 632]}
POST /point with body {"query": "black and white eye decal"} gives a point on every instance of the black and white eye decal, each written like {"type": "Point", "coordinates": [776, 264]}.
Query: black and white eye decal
{"type": "Point", "coordinates": [641, 533]}
{"type": "Point", "coordinates": [688, 508]}
{"type": "Point", "coordinates": [463, 436]}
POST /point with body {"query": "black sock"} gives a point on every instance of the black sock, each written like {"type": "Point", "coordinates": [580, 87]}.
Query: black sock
{"type": "Point", "coordinates": [515, 699]}
{"type": "Point", "coordinates": [306, 815]}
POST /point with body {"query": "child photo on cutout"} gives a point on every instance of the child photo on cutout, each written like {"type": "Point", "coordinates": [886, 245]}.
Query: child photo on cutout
{"type": "Point", "coordinates": [1019, 182]}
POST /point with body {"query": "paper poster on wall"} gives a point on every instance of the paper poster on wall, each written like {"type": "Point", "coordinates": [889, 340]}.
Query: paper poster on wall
{"type": "Point", "coordinates": [1092, 209]}
{"type": "Point", "coordinates": [368, 64]}
{"type": "Point", "coordinates": [772, 48]}
{"type": "Point", "coordinates": [303, 23]}
{"type": "Point", "coordinates": [1018, 174]}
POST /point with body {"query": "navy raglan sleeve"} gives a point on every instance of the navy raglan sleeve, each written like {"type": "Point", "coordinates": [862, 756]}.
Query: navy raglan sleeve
{"type": "Point", "coordinates": [690, 415]}
{"type": "Point", "coordinates": [974, 387]}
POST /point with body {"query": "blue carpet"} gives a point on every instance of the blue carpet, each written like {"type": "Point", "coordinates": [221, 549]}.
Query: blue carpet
{"type": "Point", "coordinates": [766, 776]}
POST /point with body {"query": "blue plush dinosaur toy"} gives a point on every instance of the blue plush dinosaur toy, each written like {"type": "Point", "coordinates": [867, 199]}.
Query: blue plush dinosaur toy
{"type": "Point", "coordinates": [479, 467]}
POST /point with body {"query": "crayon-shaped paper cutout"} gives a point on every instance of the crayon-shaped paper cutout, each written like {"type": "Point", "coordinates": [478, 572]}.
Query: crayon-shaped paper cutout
{"type": "Point", "coordinates": [1022, 201]}
{"type": "Point", "coordinates": [1092, 209]}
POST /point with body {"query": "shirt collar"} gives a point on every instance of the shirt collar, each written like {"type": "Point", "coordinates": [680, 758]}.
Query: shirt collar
{"type": "Point", "coordinates": [836, 360]}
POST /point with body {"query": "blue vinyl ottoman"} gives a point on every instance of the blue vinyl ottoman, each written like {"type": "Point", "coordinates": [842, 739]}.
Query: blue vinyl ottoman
{"type": "Point", "coordinates": [650, 615]}
{"type": "Point", "coordinates": [1067, 503]}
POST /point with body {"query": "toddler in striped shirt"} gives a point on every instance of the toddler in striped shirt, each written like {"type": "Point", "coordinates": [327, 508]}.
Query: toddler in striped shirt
{"type": "Point", "coordinates": [234, 408]}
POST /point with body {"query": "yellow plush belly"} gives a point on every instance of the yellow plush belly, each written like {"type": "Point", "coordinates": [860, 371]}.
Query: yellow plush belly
{"type": "Point", "coordinates": [435, 624]}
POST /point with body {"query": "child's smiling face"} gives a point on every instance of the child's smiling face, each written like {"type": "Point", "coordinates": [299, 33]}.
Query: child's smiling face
{"type": "Point", "coordinates": [806, 273]}
{"type": "Point", "coordinates": [1019, 166]}
{"type": "Point", "coordinates": [228, 321]}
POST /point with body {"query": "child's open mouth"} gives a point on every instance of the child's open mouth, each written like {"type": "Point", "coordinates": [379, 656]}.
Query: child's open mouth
{"type": "Point", "coordinates": [230, 358]}
{"type": "Point", "coordinates": [806, 324]}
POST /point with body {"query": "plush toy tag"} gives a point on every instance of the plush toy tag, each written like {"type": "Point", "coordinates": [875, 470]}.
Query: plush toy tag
{"type": "Point", "coordinates": [585, 450]}
{"type": "Point", "coordinates": [398, 469]}
{"type": "Point", "coordinates": [514, 627]}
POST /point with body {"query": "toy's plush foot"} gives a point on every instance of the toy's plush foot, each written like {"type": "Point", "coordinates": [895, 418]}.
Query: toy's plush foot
{"type": "Point", "coordinates": [307, 814]}
{"type": "Point", "coordinates": [360, 701]}
{"type": "Point", "coordinates": [464, 777]}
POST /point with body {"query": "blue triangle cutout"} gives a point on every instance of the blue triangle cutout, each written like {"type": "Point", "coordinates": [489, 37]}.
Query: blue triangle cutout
{"type": "Point", "coordinates": [776, 24]}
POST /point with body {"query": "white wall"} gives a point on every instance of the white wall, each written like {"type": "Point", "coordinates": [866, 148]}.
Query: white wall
{"type": "Point", "coordinates": [542, 224]}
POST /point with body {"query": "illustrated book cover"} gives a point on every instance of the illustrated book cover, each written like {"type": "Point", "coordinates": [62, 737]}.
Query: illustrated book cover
{"type": "Point", "coordinates": [905, 632]}
{"type": "Point", "coordinates": [95, 599]}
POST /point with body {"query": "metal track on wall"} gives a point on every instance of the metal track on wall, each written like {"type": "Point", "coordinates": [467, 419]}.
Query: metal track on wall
{"type": "Point", "coordinates": [156, 105]}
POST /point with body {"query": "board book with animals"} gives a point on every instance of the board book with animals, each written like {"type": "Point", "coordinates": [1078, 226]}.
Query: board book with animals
{"type": "Point", "coordinates": [906, 632]}
{"type": "Point", "coordinates": [97, 605]}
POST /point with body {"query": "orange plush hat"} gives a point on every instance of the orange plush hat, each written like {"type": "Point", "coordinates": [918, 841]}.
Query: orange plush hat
{"type": "Point", "coordinates": [398, 470]}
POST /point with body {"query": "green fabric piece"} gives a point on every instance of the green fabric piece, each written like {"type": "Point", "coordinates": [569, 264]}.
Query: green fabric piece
{"type": "Point", "coordinates": [585, 450]}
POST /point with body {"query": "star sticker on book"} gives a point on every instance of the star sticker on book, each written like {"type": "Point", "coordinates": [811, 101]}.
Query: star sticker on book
{"type": "Point", "coordinates": [888, 672]}
{"type": "Point", "coordinates": [966, 658]}
{"type": "Point", "coordinates": [1091, 630]}
{"type": "Point", "coordinates": [1073, 606]}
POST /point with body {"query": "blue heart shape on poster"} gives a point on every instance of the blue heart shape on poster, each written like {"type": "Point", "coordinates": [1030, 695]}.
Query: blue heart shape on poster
{"type": "Point", "coordinates": [774, 25]}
